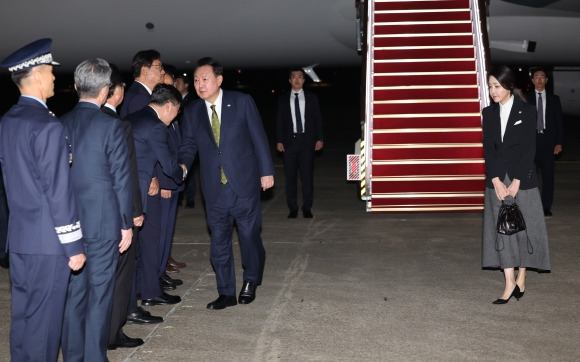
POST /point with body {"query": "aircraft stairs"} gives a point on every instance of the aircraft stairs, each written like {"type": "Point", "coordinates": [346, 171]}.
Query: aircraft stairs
{"type": "Point", "coordinates": [425, 88]}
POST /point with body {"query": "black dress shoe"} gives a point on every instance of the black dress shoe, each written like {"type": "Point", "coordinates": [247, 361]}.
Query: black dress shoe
{"type": "Point", "coordinates": [292, 214]}
{"type": "Point", "coordinates": [307, 214]}
{"type": "Point", "coordinates": [163, 299]}
{"type": "Point", "coordinates": [223, 302]}
{"type": "Point", "coordinates": [126, 342]}
{"type": "Point", "coordinates": [166, 285]}
{"type": "Point", "coordinates": [141, 316]}
{"type": "Point", "coordinates": [5, 263]}
{"type": "Point", "coordinates": [171, 280]}
{"type": "Point", "coordinates": [248, 293]}
{"type": "Point", "coordinates": [547, 212]}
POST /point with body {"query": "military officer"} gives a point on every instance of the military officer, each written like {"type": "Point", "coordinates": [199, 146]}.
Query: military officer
{"type": "Point", "coordinates": [44, 231]}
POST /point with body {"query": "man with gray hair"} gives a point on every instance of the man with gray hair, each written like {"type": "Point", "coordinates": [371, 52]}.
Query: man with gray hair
{"type": "Point", "coordinates": [101, 180]}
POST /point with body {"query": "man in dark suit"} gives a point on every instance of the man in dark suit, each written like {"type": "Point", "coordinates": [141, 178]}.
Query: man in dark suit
{"type": "Point", "coordinates": [550, 134]}
{"type": "Point", "coordinates": [126, 263]}
{"type": "Point", "coordinates": [151, 137]}
{"type": "Point", "coordinates": [101, 177]}
{"type": "Point", "coordinates": [44, 232]}
{"type": "Point", "coordinates": [298, 136]}
{"type": "Point", "coordinates": [148, 71]}
{"type": "Point", "coordinates": [235, 162]}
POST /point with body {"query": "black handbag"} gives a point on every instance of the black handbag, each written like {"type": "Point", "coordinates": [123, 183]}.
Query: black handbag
{"type": "Point", "coordinates": [510, 219]}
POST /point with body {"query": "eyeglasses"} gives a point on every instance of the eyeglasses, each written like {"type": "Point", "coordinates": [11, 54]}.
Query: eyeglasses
{"type": "Point", "coordinates": [157, 65]}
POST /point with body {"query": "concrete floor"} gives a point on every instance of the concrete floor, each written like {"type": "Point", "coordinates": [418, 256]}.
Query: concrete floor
{"type": "Point", "coordinates": [352, 286]}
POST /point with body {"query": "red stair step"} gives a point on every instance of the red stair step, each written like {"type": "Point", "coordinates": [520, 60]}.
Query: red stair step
{"type": "Point", "coordinates": [386, 41]}
{"type": "Point", "coordinates": [431, 185]}
{"type": "Point", "coordinates": [425, 16]}
{"type": "Point", "coordinates": [399, 169]}
{"type": "Point", "coordinates": [380, 154]}
{"type": "Point", "coordinates": [424, 66]}
{"type": "Point", "coordinates": [425, 93]}
{"type": "Point", "coordinates": [422, 28]}
{"type": "Point", "coordinates": [426, 122]}
{"type": "Point", "coordinates": [395, 138]}
{"type": "Point", "coordinates": [439, 107]}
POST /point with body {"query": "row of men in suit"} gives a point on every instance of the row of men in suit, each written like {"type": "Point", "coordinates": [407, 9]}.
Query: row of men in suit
{"type": "Point", "coordinates": [235, 163]}
{"type": "Point", "coordinates": [58, 177]}
{"type": "Point", "coordinates": [148, 107]}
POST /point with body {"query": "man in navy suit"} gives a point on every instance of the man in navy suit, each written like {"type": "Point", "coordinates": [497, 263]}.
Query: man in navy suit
{"type": "Point", "coordinates": [126, 263]}
{"type": "Point", "coordinates": [148, 71]}
{"type": "Point", "coordinates": [549, 139]}
{"type": "Point", "coordinates": [44, 233]}
{"type": "Point", "coordinates": [151, 137]}
{"type": "Point", "coordinates": [101, 177]}
{"type": "Point", "coordinates": [225, 128]}
{"type": "Point", "coordinates": [298, 136]}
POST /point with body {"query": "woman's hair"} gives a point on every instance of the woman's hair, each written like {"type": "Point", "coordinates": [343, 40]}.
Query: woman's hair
{"type": "Point", "coordinates": [506, 77]}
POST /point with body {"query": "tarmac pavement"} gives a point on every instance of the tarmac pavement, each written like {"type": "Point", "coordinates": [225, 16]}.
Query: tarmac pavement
{"type": "Point", "coordinates": [352, 286]}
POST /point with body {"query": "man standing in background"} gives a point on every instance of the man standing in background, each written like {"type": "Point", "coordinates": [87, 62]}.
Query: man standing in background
{"type": "Point", "coordinates": [550, 134]}
{"type": "Point", "coordinates": [298, 136]}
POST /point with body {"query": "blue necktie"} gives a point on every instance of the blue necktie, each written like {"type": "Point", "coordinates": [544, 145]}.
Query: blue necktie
{"type": "Point", "coordinates": [298, 116]}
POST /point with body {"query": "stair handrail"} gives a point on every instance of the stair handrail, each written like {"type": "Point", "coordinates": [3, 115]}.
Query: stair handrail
{"type": "Point", "coordinates": [481, 49]}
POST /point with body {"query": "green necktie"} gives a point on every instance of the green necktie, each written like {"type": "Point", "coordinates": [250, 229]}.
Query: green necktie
{"type": "Point", "coordinates": [215, 128]}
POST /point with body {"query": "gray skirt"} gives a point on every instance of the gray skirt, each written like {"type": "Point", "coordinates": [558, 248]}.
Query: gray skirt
{"type": "Point", "coordinates": [526, 249]}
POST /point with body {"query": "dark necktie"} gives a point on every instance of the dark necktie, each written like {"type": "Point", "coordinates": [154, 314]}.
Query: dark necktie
{"type": "Point", "coordinates": [215, 128]}
{"type": "Point", "coordinates": [298, 116]}
{"type": "Point", "coordinates": [540, 124]}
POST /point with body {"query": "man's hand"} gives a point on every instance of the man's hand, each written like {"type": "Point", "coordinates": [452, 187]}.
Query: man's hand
{"type": "Point", "coordinates": [557, 149]}
{"type": "Point", "coordinates": [126, 236]}
{"type": "Point", "coordinates": [76, 262]}
{"type": "Point", "coordinates": [166, 194]}
{"type": "Point", "coordinates": [153, 187]}
{"type": "Point", "coordinates": [138, 221]}
{"type": "Point", "coordinates": [280, 147]}
{"type": "Point", "coordinates": [267, 182]}
{"type": "Point", "coordinates": [184, 170]}
{"type": "Point", "coordinates": [318, 146]}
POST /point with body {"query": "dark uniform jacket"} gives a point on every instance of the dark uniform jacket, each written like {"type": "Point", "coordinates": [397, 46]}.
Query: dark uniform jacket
{"type": "Point", "coordinates": [35, 164]}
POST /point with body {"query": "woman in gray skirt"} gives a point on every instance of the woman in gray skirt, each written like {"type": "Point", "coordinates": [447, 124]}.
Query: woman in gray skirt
{"type": "Point", "coordinates": [509, 143]}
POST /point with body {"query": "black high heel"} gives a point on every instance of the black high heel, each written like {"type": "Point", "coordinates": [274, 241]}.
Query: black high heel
{"type": "Point", "coordinates": [516, 293]}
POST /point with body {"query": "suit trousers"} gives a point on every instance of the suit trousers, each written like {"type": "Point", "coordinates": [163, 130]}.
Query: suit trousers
{"type": "Point", "coordinates": [299, 158]}
{"type": "Point", "coordinates": [168, 216]}
{"type": "Point", "coordinates": [220, 218]}
{"type": "Point", "coordinates": [546, 166]}
{"type": "Point", "coordinates": [189, 190]}
{"type": "Point", "coordinates": [89, 303]}
{"type": "Point", "coordinates": [39, 286]}
{"type": "Point", "coordinates": [122, 292]}
{"type": "Point", "coordinates": [148, 256]}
